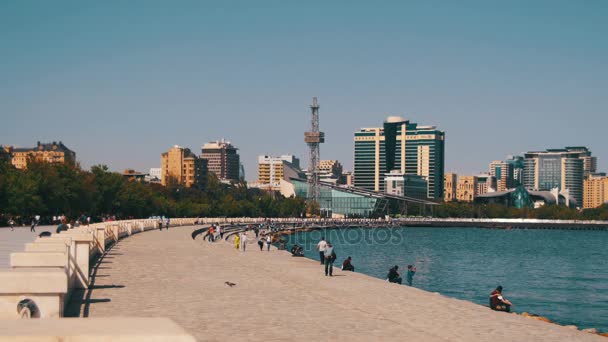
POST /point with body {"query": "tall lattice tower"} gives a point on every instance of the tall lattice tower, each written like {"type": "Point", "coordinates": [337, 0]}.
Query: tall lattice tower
{"type": "Point", "coordinates": [313, 138]}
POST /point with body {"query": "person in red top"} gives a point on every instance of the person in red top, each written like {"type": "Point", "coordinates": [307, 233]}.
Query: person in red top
{"type": "Point", "coordinates": [498, 302]}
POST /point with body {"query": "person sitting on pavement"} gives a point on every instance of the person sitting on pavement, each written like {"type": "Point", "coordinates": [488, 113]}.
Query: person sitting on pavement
{"type": "Point", "coordinates": [347, 265]}
{"type": "Point", "coordinates": [297, 251]}
{"type": "Point", "coordinates": [498, 302]}
{"type": "Point", "coordinates": [393, 275]}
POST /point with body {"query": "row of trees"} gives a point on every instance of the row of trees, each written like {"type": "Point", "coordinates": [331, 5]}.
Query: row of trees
{"type": "Point", "coordinates": [62, 189]}
{"type": "Point", "coordinates": [555, 212]}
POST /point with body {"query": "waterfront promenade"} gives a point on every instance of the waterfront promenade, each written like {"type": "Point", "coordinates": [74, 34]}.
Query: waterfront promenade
{"type": "Point", "coordinates": [13, 241]}
{"type": "Point", "coordinates": [278, 297]}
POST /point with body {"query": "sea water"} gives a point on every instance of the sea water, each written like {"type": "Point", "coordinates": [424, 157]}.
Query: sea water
{"type": "Point", "coordinates": [558, 274]}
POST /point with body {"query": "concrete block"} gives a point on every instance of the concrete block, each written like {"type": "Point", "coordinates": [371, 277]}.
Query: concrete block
{"type": "Point", "coordinates": [46, 247]}
{"type": "Point", "coordinates": [115, 329]}
{"type": "Point", "coordinates": [39, 259]}
{"type": "Point", "coordinates": [46, 288]}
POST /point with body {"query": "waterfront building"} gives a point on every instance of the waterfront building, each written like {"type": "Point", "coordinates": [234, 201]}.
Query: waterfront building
{"type": "Point", "coordinates": [466, 188]}
{"type": "Point", "coordinates": [503, 172]}
{"type": "Point", "coordinates": [400, 184]}
{"type": "Point", "coordinates": [222, 159]}
{"type": "Point", "coordinates": [180, 166]}
{"type": "Point", "coordinates": [520, 197]}
{"type": "Point", "coordinates": [561, 169]}
{"type": "Point", "coordinates": [485, 183]}
{"type": "Point", "coordinates": [595, 190]}
{"type": "Point", "coordinates": [273, 170]}
{"type": "Point", "coordinates": [55, 152]}
{"type": "Point", "coordinates": [403, 146]}
{"type": "Point", "coordinates": [450, 181]}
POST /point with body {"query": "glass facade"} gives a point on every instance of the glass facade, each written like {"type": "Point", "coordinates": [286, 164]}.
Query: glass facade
{"type": "Point", "coordinates": [424, 155]}
{"type": "Point", "coordinates": [332, 201]}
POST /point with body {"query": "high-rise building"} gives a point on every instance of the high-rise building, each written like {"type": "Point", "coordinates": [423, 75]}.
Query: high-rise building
{"type": "Point", "coordinates": [595, 190]}
{"type": "Point", "coordinates": [222, 159]}
{"type": "Point", "coordinates": [450, 181]}
{"type": "Point", "coordinates": [272, 170]}
{"type": "Point", "coordinates": [503, 172]}
{"type": "Point", "coordinates": [485, 183]}
{"type": "Point", "coordinates": [561, 169]}
{"type": "Point", "coordinates": [466, 191]}
{"type": "Point", "coordinates": [399, 145]}
{"type": "Point", "coordinates": [517, 165]}
{"type": "Point", "coordinates": [47, 152]}
{"type": "Point", "coordinates": [180, 166]}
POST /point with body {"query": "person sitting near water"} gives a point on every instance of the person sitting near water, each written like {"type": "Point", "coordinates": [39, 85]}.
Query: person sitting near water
{"type": "Point", "coordinates": [393, 275]}
{"type": "Point", "coordinates": [498, 302]}
{"type": "Point", "coordinates": [297, 251]}
{"type": "Point", "coordinates": [347, 265]}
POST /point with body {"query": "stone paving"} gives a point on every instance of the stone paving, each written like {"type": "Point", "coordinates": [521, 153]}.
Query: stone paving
{"type": "Point", "coordinates": [14, 241]}
{"type": "Point", "coordinates": [278, 297]}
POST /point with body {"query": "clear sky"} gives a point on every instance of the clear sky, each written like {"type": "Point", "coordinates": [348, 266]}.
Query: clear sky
{"type": "Point", "coordinates": [119, 82]}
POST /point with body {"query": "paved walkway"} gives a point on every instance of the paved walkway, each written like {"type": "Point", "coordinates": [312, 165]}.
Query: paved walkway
{"type": "Point", "coordinates": [277, 297]}
{"type": "Point", "coordinates": [14, 241]}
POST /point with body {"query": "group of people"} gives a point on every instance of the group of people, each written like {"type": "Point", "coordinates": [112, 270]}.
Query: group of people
{"type": "Point", "coordinates": [213, 230]}
{"type": "Point", "coordinates": [327, 257]}
{"type": "Point", "coordinates": [394, 276]}
{"type": "Point", "coordinates": [166, 221]}
{"type": "Point", "coordinates": [240, 241]}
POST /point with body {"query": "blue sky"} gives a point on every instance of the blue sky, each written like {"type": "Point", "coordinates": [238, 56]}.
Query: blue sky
{"type": "Point", "coordinates": [120, 82]}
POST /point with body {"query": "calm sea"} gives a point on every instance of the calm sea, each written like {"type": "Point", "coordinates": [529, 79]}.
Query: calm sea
{"type": "Point", "coordinates": [559, 274]}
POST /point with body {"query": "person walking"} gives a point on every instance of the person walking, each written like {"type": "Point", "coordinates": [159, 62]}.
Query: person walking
{"type": "Point", "coordinates": [411, 270]}
{"type": "Point", "coordinates": [330, 256]}
{"type": "Point", "coordinates": [167, 223]}
{"type": "Point", "coordinates": [221, 232]}
{"type": "Point", "coordinates": [237, 241]}
{"type": "Point", "coordinates": [210, 234]}
{"type": "Point", "coordinates": [160, 224]}
{"type": "Point", "coordinates": [11, 223]}
{"type": "Point", "coordinates": [321, 247]}
{"type": "Point", "coordinates": [261, 243]}
{"type": "Point", "coordinates": [268, 242]}
{"type": "Point", "coordinates": [244, 241]}
{"type": "Point", "coordinates": [33, 227]}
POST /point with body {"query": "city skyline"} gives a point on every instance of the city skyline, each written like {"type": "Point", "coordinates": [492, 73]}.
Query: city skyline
{"type": "Point", "coordinates": [124, 80]}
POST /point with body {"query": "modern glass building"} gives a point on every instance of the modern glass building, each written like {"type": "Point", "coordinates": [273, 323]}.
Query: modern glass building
{"type": "Point", "coordinates": [562, 169]}
{"type": "Point", "coordinates": [341, 203]}
{"type": "Point", "coordinates": [403, 146]}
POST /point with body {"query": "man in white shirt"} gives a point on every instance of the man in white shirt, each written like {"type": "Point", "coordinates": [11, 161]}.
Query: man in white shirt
{"type": "Point", "coordinates": [243, 241]}
{"type": "Point", "coordinates": [321, 247]}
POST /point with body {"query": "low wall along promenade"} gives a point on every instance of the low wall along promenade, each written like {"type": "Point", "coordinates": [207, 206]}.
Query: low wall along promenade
{"type": "Point", "coordinates": [167, 286]}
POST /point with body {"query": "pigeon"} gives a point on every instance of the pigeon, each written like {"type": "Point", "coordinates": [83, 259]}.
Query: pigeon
{"type": "Point", "coordinates": [229, 284]}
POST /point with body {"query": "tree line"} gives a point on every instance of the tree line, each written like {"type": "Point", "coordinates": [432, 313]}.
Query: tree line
{"type": "Point", "coordinates": [549, 212]}
{"type": "Point", "coordinates": [48, 190]}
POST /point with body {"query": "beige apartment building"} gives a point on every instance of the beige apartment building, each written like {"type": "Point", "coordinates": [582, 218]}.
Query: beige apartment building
{"type": "Point", "coordinates": [450, 181]}
{"type": "Point", "coordinates": [273, 170]}
{"type": "Point", "coordinates": [47, 152]}
{"type": "Point", "coordinates": [595, 191]}
{"type": "Point", "coordinates": [183, 167]}
{"type": "Point", "coordinates": [466, 189]}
